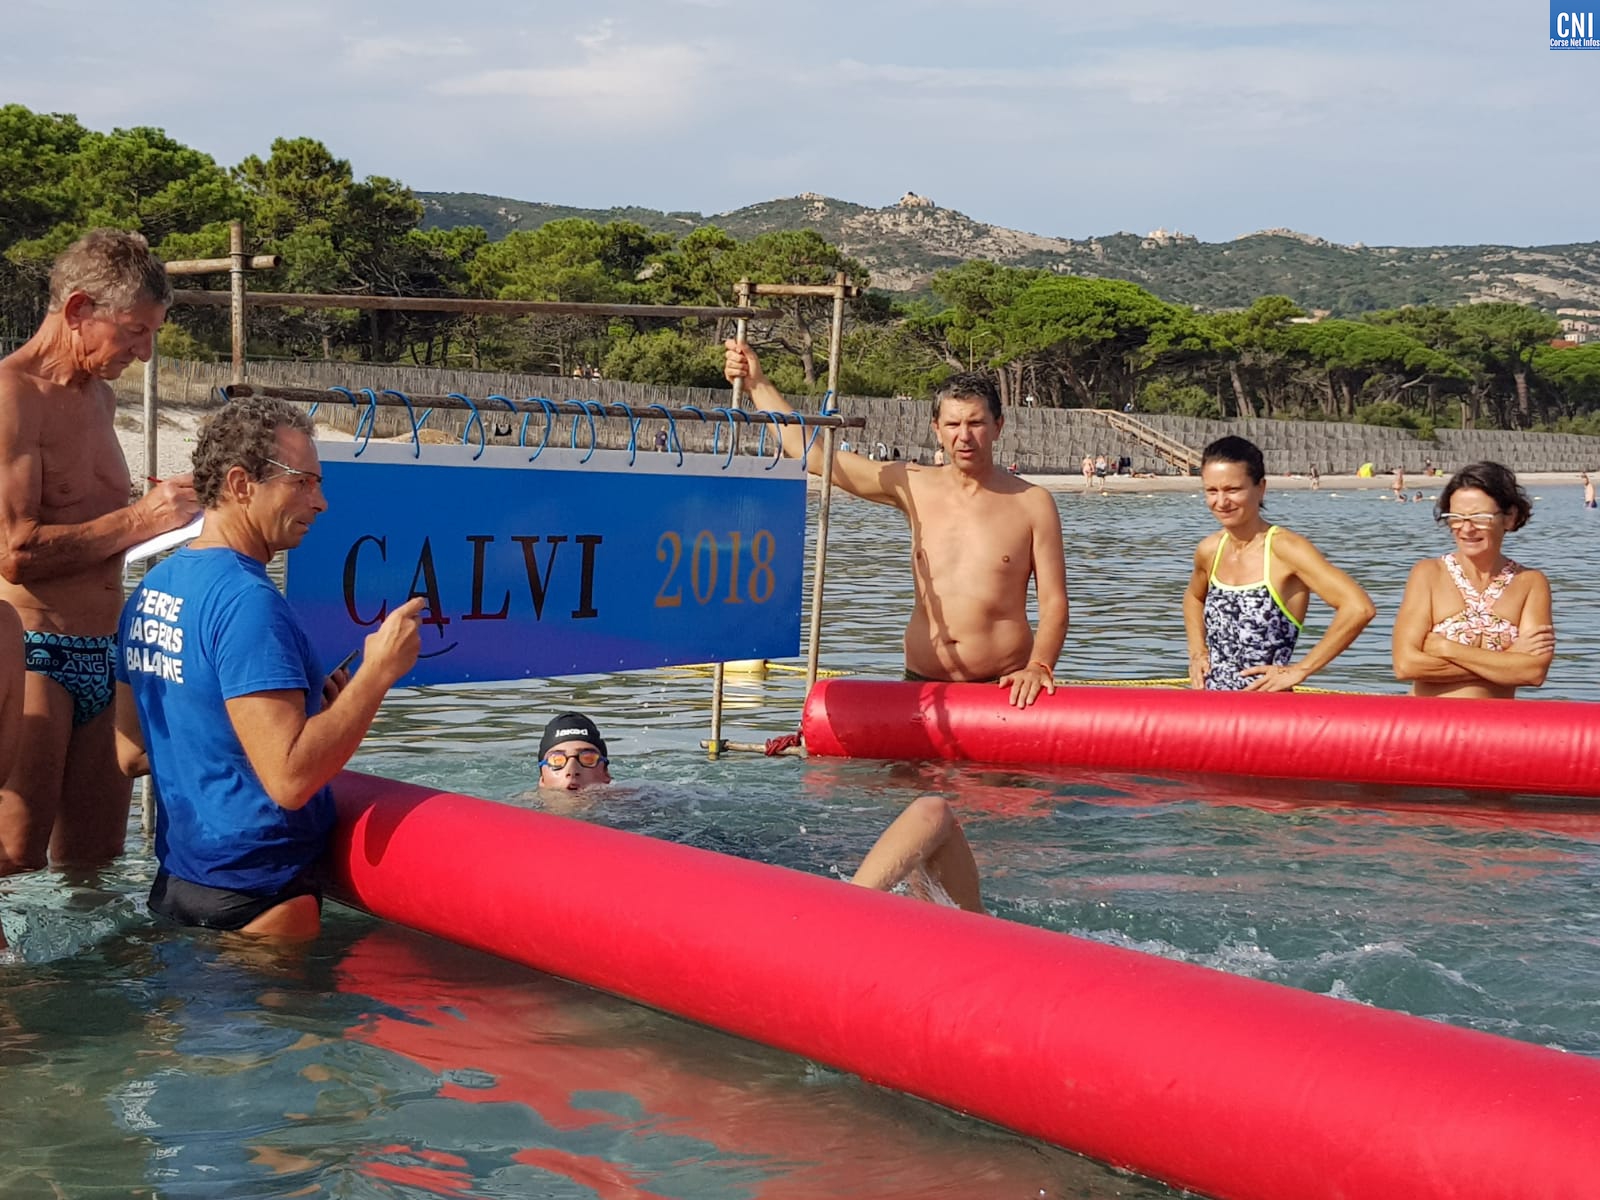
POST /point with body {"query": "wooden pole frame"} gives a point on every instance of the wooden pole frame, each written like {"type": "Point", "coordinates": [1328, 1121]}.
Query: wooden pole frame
{"type": "Point", "coordinates": [236, 298]}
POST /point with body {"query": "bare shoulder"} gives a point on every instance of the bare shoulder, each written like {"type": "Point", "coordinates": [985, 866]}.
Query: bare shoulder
{"type": "Point", "coordinates": [19, 412]}
{"type": "Point", "coordinates": [1207, 549]}
{"type": "Point", "coordinates": [1532, 579]}
{"type": "Point", "coordinates": [899, 484]}
{"type": "Point", "coordinates": [1425, 572]}
{"type": "Point", "coordinates": [101, 391]}
{"type": "Point", "coordinates": [1296, 546]}
{"type": "Point", "coordinates": [15, 383]}
{"type": "Point", "coordinates": [1041, 504]}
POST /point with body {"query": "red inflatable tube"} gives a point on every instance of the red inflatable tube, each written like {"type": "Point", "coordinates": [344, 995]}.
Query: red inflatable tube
{"type": "Point", "coordinates": [1540, 747]}
{"type": "Point", "coordinates": [1230, 1087]}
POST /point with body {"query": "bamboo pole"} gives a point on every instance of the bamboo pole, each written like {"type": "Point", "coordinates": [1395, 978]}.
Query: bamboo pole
{"type": "Point", "coordinates": [560, 408]}
{"type": "Point", "coordinates": [819, 566]}
{"type": "Point", "coordinates": [152, 460]}
{"type": "Point", "coordinates": [460, 305]}
{"type": "Point", "coordinates": [236, 295]}
{"type": "Point", "coordinates": [759, 748]}
{"type": "Point", "coordinates": [718, 671]}
{"type": "Point", "coordinates": [839, 288]}
{"type": "Point", "coordinates": [215, 266]}
{"type": "Point", "coordinates": [152, 405]}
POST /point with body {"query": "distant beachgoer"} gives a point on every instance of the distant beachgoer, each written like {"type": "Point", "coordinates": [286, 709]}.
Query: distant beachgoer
{"type": "Point", "coordinates": [1399, 485]}
{"type": "Point", "coordinates": [1316, 478]}
{"type": "Point", "coordinates": [1014, 468]}
{"type": "Point", "coordinates": [1417, 498]}
{"type": "Point", "coordinates": [1474, 624]}
{"type": "Point", "coordinates": [938, 457]}
{"type": "Point", "coordinates": [1088, 471]}
{"type": "Point", "coordinates": [1252, 583]}
{"type": "Point", "coordinates": [1588, 491]}
{"type": "Point", "coordinates": [661, 439]}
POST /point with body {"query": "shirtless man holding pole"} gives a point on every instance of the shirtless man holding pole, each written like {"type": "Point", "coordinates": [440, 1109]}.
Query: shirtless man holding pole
{"type": "Point", "coordinates": [978, 535]}
{"type": "Point", "coordinates": [65, 521]}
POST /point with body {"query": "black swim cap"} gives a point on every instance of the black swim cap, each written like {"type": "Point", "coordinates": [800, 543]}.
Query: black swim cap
{"type": "Point", "coordinates": [571, 727]}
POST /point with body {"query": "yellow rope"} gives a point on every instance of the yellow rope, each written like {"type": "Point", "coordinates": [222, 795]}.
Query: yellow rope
{"type": "Point", "coordinates": [1177, 681]}
{"type": "Point", "coordinates": [707, 668]}
{"type": "Point", "coordinates": [1182, 682]}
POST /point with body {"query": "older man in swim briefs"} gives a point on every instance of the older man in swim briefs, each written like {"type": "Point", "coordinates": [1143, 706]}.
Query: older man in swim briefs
{"type": "Point", "coordinates": [978, 535]}
{"type": "Point", "coordinates": [65, 521]}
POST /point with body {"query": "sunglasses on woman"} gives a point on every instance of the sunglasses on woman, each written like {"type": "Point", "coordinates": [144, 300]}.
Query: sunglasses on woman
{"type": "Point", "coordinates": [1476, 520]}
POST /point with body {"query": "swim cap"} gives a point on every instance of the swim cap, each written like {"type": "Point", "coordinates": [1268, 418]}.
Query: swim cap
{"type": "Point", "coordinates": [572, 727]}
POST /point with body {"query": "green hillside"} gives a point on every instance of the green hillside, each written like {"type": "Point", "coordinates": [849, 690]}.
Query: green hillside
{"type": "Point", "coordinates": [903, 244]}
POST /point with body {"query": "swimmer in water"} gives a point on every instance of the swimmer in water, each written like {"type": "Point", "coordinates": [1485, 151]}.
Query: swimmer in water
{"type": "Point", "coordinates": [924, 847]}
{"type": "Point", "coordinates": [1252, 583]}
{"type": "Point", "coordinates": [1474, 624]}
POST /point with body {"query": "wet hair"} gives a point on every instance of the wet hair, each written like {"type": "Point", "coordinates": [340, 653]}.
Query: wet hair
{"type": "Point", "coordinates": [1239, 450]}
{"type": "Point", "coordinates": [1495, 481]}
{"type": "Point", "coordinates": [243, 433]}
{"type": "Point", "coordinates": [969, 385]}
{"type": "Point", "coordinates": [111, 266]}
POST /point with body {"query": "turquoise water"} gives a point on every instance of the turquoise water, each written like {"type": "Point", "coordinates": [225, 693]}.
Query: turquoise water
{"type": "Point", "coordinates": [381, 1063]}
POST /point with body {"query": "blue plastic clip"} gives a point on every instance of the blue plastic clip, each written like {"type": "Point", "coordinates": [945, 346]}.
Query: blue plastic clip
{"type": "Point", "coordinates": [416, 425]}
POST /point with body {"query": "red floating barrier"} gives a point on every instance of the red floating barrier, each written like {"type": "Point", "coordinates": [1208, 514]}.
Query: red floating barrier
{"type": "Point", "coordinates": [1230, 1087]}
{"type": "Point", "coordinates": [1540, 747]}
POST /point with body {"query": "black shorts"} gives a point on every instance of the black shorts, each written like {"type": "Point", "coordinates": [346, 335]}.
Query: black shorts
{"type": "Point", "coordinates": [217, 908]}
{"type": "Point", "coordinates": [911, 676]}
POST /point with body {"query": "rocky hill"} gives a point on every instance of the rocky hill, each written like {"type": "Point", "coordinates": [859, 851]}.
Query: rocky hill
{"type": "Point", "coordinates": [903, 244]}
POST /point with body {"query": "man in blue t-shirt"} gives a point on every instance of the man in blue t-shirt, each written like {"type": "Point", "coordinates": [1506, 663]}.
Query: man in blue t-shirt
{"type": "Point", "coordinates": [222, 700]}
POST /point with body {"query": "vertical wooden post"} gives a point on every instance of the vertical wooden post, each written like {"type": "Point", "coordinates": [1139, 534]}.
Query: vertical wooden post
{"type": "Point", "coordinates": [236, 281]}
{"type": "Point", "coordinates": [819, 562]}
{"type": "Point", "coordinates": [152, 408]}
{"type": "Point", "coordinates": [741, 327]}
{"type": "Point", "coordinates": [152, 460]}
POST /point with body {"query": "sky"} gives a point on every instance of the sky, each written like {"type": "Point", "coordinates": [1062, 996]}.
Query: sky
{"type": "Point", "coordinates": [1389, 122]}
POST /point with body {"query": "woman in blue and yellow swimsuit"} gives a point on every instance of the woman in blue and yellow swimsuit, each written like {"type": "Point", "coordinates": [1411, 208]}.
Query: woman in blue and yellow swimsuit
{"type": "Point", "coordinates": [1252, 583]}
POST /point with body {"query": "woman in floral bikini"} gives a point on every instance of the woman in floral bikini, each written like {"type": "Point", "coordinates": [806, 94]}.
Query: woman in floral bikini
{"type": "Point", "coordinates": [1474, 624]}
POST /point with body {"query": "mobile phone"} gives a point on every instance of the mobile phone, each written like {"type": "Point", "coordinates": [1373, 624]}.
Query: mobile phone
{"type": "Point", "coordinates": [345, 662]}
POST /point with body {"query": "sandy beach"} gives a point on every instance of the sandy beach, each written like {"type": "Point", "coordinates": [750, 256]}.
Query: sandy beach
{"type": "Point", "coordinates": [175, 436]}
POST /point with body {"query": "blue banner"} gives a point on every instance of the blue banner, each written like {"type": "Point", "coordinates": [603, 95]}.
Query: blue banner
{"type": "Point", "coordinates": [558, 566]}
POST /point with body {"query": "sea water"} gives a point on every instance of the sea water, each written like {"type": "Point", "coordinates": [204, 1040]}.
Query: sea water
{"type": "Point", "coordinates": [141, 1061]}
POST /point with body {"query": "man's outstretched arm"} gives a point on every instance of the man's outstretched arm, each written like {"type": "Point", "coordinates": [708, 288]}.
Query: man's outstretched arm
{"type": "Point", "coordinates": [855, 473]}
